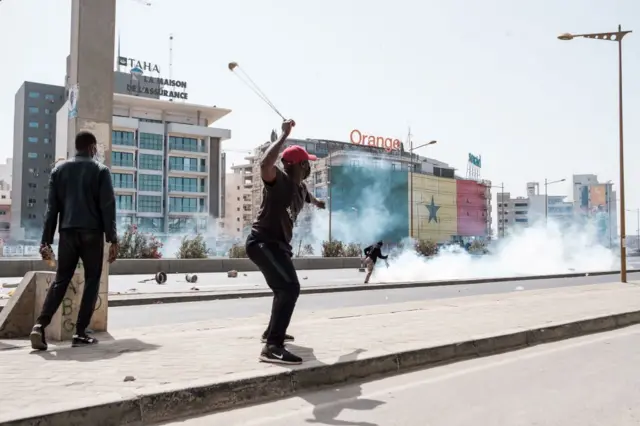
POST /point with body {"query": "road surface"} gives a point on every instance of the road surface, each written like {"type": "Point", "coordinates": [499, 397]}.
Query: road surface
{"type": "Point", "coordinates": [130, 284]}
{"type": "Point", "coordinates": [589, 381]}
{"type": "Point", "coordinates": [174, 313]}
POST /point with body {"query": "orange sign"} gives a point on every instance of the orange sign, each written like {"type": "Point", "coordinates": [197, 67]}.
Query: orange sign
{"type": "Point", "coordinates": [359, 138]}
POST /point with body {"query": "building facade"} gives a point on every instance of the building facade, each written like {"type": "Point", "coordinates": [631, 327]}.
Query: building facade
{"type": "Point", "coordinates": [397, 194]}
{"type": "Point", "coordinates": [34, 132]}
{"type": "Point", "coordinates": [238, 215]}
{"type": "Point", "coordinates": [166, 164]}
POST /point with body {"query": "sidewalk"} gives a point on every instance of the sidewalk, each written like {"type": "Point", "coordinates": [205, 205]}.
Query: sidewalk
{"type": "Point", "coordinates": [205, 353]}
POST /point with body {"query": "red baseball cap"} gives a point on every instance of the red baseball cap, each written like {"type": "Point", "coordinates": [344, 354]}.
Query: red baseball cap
{"type": "Point", "coordinates": [295, 154]}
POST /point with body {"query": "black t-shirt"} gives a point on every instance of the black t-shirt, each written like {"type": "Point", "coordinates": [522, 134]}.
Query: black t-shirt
{"type": "Point", "coordinates": [282, 201]}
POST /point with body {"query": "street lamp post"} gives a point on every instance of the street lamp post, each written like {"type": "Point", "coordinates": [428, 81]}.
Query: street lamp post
{"type": "Point", "coordinates": [411, 149]}
{"type": "Point", "coordinates": [501, 203]}
{"type": "Point", "coordinates": [546, 196]}
{"type": "Point", "coordinates": [616, 36]}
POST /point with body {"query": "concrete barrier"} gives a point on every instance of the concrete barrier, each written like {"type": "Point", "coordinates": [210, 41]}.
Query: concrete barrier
{"type": "Point", "coordinates": [22, 310]}
{"type": "Point", "coordinates": [18, 268]}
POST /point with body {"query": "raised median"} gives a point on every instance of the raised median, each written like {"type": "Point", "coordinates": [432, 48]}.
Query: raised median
{"type": "Point", "coordinates": [155, 374]}
{"type": "Point", "coordinates": [19, 267]}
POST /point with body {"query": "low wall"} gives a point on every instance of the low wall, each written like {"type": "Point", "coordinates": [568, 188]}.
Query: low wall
{"type": "Point", "coordinates": [18, 268]}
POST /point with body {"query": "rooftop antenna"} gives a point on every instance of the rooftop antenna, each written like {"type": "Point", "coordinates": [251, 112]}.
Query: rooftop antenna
{"type": "Point", "coordinates": [170, 56]}
{"type": "Point", "coordinates": [118, 51]}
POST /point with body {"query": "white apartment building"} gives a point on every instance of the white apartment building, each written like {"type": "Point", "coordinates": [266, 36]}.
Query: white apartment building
{"type": "Point", "coordinates": [166, 163]}
{"type": "Point", "coordinates": [238, 201]}
{"type": "Point", "coordinates": [593, 201]}
{"type": "Point", "coordinates": [511, 212]}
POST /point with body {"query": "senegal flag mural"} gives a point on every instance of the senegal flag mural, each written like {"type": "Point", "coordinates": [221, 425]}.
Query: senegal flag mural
{"type": "Point", "coordinates": [374, 203]}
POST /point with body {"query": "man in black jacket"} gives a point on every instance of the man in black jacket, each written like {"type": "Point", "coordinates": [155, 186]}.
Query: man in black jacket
{"type": "Point", "coordinates": [372, 254]}
{"type": "Point", "coordinates": [81, 197]}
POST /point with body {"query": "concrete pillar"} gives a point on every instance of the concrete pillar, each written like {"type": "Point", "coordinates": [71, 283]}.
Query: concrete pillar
{"type": "Point", "coordinates": [91, 67]}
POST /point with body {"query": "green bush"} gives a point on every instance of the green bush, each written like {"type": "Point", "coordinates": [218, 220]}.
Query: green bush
{"type": "Point", "coordinates": [332, 248]}
{"type": "Point", "coordinates": [353, 250]}
{"type": "Point", "coordinates": [477, 247]}
{"type": "Point", "coordinates": [426, 247]}
{"type": "Point", "coordinates": [194, 248]}
{"type": "Point", "coordinates": [237, 251]}
{"type": "Point", "coordinates": [137, 245]}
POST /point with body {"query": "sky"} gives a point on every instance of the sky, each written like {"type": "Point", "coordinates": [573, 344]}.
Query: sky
{"type": "Point", "coordinates": [484, 77]}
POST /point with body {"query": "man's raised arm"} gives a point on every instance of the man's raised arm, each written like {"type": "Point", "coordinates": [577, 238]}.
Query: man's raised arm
{"type": "Point", "coordinates": [268, 162]}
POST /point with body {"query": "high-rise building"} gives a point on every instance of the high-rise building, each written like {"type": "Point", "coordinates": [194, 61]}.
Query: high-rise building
{"type": "Point", "coordinates": [238, 201]}
{"type": "Point", "coordinates": [36, 105]}
{"type": "Point", "coordinates": [166, 163]}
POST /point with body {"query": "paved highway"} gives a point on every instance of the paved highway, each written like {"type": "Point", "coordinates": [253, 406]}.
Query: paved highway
{"type": "Point", "coordinates": [589, 381]}
{"type": "Point", "coordinates": [130, 284]}
{"type": "Point", "coordinates": [149, 315]}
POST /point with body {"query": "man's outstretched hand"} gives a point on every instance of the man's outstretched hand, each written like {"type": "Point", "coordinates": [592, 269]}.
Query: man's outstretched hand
{"type": "Point", "coordinates": [321, 204]}
{"type": "Point", "coordinates": [113, 252]}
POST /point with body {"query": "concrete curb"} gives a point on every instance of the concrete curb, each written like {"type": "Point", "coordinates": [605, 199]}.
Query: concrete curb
{"type": "Point", "coordinates": [152, 408]}
{"type": "Point", "coordinates": [206, 296]}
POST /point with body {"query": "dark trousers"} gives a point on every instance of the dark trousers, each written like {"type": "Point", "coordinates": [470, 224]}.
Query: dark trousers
{"type": "Point", "coordinates": [74, 245]}
{"type": "Point", "coordinates": [275, 264]}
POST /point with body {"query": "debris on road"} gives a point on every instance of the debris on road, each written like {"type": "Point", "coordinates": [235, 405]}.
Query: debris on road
{"type": "Point", "coordinates": [232, 274]}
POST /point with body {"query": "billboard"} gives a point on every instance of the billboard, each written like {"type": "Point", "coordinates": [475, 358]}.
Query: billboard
{"type": "Point", "coordinates": [597, 197]}
{"type": "Point", "coordinates": [435, 215]}
{"type": "Point", "coordinates": [471, 208]}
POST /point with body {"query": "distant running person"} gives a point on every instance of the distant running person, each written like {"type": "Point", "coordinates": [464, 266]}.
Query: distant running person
{"type": "Point", "coordinates": [372, 254]}
{"type": "Point", "coordinates": [269, 243]}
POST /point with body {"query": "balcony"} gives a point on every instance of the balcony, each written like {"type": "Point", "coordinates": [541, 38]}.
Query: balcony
{"type": "Point", "coordinates": [202, 169]}
{"type": "Point", "coordinates": [188, 189]}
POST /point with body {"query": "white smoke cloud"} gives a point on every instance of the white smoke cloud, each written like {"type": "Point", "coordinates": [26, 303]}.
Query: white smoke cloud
{"type": "Point", "coordinates": [537, 250]}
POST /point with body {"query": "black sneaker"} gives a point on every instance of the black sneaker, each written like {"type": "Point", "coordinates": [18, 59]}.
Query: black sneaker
{"type": "Point", "coordinates": [38, 341]}
{"type": "Point", "coordinates": [279, 355]}
{"type": "Point", "coordinates": [83, 340]}
{"type": "Point", "coordinates": [287, 338]}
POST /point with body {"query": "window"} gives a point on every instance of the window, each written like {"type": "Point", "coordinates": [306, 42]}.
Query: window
{"type": "Point", "coordinates": [149, 204]}
{"type": "Point", "coordinates": [185, 144]}
{"type": "Point", "coordinates": [34, 95]}
{"type": "Point", "coordinates": [122, 180]}
{"type": "Point", "coordinates": [183, 205]}
{"type": "Point", "coordinates": [153, 224]}
{"type": "Point", "coordinates": [151, 141]}
{"type": "Point", "coordinates": [32, 155]}
{"type": "Point", "coordinates": [33, 110]}
{"type": "Point", "coordinates": [46, 125]}
{"type": "Point", "coordinates": [32, 185]}
{"type": "Point", "coordinates": [33, 139]}
{"type": "Point", "coordinates": [50, 97]}
{"type": "Point", "coordinates": [31, 202]}
{"type": "Point", "coordinates": [45, 140]}
{"type": "Point", "coordinates": [124, 202]}
{"type": "Point", "coordinates": [47, 111]}
{"type": "Point", "coordinates": [185, 164]}
{"type": "Point", "coordinates": [151, 162]}
{"type": "Point", "coordinates": [185, 184]}
{"type": "Point", "coordinates": [34, 124]}
{"type": "Point", "coordinates": [150, 183]}
{"type": "Point", "coordinates": [122, 138]}
{"type": "Point", "coordinates": [121, 159]}
{"type": "Point", "coordinates": [48, 156]}
{"type": "Point", "coordinates": [2, 212]}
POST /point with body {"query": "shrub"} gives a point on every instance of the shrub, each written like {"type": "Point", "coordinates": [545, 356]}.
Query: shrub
{"type": "Point", "coordinates": [303, 249]}
{"type": "Point", "coordinates": [194, 248]}
{"type": "Point", "coordinates": [477, 247]}
{"type": "Point", "coordinates": [353, 250]}
{"type": "Point", "coordinates": [332, 248]}
{"type": "Point", "coordinates": [137, 245]}
{"type": "Point", "coordinates": [237, 251]}
{"type": "Point", "coordinates": [426, 247]}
